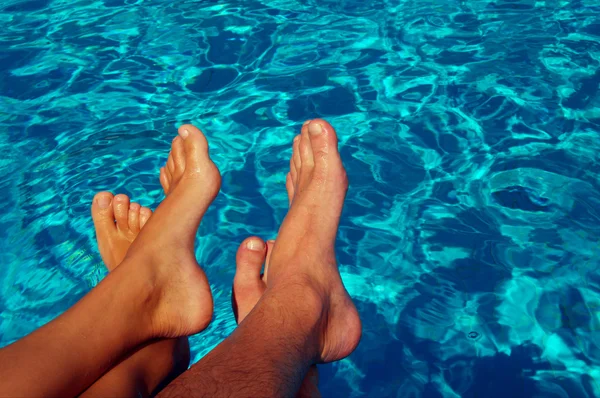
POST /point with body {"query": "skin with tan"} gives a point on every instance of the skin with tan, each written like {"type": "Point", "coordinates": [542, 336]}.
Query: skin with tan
{"type": "Point", "coordinates": [305, 316]}
{"type": "Point", "coordinates": [158, 290]}
{"type": "Point", "coordinates": [302, 313]}
{"type": "Point", "coordinates": [117, 223]}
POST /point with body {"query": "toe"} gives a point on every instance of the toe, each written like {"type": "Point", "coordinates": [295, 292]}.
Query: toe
{"type": "Point", "coordinates": [102, 212]}
{"type": "Point", "coordinates": [306, 151]}
{"type": "Point", "coordinates": [169, 176]}
{"type": "Point", "coordinates": [121, 209]}
{"type": "Point", "coordinates": [293, 172]}
{"type": "Point", "coordinates": [195, 146]}
{"type": "Point", "coordinates": [270, 247]}
{"type": "Point", "coordinates": [164, 180]}
{"type": "Point", "coordinates": [323, 141]}
{"type": "Point", "coordinates": [178, 155]}
{"type": "Point", "coordinates": [306, 155]}
{"type": "Point", "coordinates": [145, 214]}
{"type": "Point", "coordinates": [134, 217]}
{"type": "Point", "coordinates": [296, 153]}
{"type": "Point", "coordinates": [171, 165]}
{"type": "Point", "coordinates": [289, 186]}
{"type": "Point", "coordinates": [250, 257]}
{"type": "Point", "coordinates": [247, 285]}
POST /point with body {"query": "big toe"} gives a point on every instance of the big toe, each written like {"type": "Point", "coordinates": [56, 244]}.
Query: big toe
{"type": "Point", "coordinates": [195, 146]}
{"type": "Point", "coordinates": [248, 286]}
{"type": "Point", "coordinates": [323, 141]}
{"type": "Point", "coordinates": [328, 167]}
{"type": "Point", "coordinates": [102, 212]}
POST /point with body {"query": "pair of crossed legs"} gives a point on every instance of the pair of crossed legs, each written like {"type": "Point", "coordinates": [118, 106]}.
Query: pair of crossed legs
{"type": "Point", "coordinates": [125, 330]}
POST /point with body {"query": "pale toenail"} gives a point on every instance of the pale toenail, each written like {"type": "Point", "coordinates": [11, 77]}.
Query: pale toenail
{"type": "Point", "coordinates": [103, 202]}
{"type": "Point", "coordinates": [315, 129]}
{"type": "Point", "coordinates": [296, 138]}
{"type": "Point", "coordinates": [184, 133]}
{"type": "Point", "coordinates": [255, 245]}
{"type": "Point", "coordinates": [306, 122]}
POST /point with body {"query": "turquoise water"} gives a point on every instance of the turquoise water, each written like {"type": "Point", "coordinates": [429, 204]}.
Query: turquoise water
{"type": "Point", "coordinates": [470, 236]}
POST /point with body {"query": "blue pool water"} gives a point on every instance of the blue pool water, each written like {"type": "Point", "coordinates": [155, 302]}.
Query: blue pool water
{"type": "Point", "coordinates": [470, 236]}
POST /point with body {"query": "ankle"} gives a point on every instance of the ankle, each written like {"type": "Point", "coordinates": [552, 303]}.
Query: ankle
{"type": "Point", "coordinates": [141, 283]}
{"type": "Point", "coordinates": [301, 300]}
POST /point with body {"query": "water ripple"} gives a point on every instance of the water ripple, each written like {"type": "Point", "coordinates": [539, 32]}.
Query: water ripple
{"type": "Point", "coordinates": [469, 130]}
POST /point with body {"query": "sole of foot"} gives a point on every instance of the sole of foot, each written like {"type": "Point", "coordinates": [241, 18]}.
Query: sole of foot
{"type": "Point", "coordinates": [303, 254]}
{"type": "Point", "coordinates": [181, 299]}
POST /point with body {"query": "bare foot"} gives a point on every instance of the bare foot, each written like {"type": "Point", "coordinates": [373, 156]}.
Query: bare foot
{"type": "Point", "coordinates": [248, 288]}
{"type": "Point", "coordinates": [181, 298]}
{"type": "Point", "coordinates": [117, 224]}
{"type": "Point", "coordinates": [303, 255]}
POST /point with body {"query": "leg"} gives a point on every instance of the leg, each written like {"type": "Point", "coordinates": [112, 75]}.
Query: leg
{"type": "Point", "coordinates": [305, 315]}
{"type": "Point", "coordinates": [117, 224]}
{"type": "Point", "coordinates": [249, 286]}
{"type": "Point", "coordinates": [158, 291]}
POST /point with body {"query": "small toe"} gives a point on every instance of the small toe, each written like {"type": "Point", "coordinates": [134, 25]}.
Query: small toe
{"type": "Point", "coordinates": [306, 152]}
{"type": "Point", "coordinates": [178, 155]}
{"type": "Point", "coordinates": [289, 186]}
{"type": "Point", "coordinates": [305, 174]}
{"type": "Point", "coordinates": [293, 172]}
{"type": "Point", "coordinates": [134, 217]}
{"type": "Point", "coordinates": [145, 214]}
{"type": "Point", "coordinates": [164, 180]}
{"type": "Point", "coordinates": [121, 209]}
{"type": "Point", "coordinates": [168, 175]}
{"type": "Point", "coordinates": [171, 165]}
{"type": "Point", "coordinates": [296, 153]}
{"type": "Point", "coordinates": [270, 247]}
{"type": "Point", "coordinates": [102, 211]}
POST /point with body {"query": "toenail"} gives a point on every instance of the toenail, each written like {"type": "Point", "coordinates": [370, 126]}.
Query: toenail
{"type": "Point", "coordinates": [296, 138]}
{"type": "Point", "coordinates": [103, 202]}
{"type": "Point", "coordinates": [315, 128]}
{"type": "Point", "coordinates": [255, 245]}
{"type": "Point", "coordinates": [184, 133]}
{"type": "Point", "coordinates": [306, 122]}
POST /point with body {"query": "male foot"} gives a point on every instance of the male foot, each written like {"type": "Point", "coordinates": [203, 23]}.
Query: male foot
{"type": "Point", "coordinates": [117, 224]}
{"type": "Point", "coordinates": [303, 255]}
{"type": "Point", "coordinates": [180, 298]}
{"type": "Point", "coordinates": [249, 286]}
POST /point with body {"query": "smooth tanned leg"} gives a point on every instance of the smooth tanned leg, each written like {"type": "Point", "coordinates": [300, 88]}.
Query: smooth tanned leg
{"type": "Point", "coordinates": [158, 291]}
{"type": "Point", "coordinates": [118, 222]}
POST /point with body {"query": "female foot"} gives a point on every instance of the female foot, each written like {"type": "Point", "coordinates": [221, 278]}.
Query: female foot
{"type": "Point", "coordinates": [157, 291]}
{"type": "Point", "coordinates": [181, 299]}
{"type": "Point", "coordinates": [248, 288]}
{"type": "Point", "coordinates": [117, 224]}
